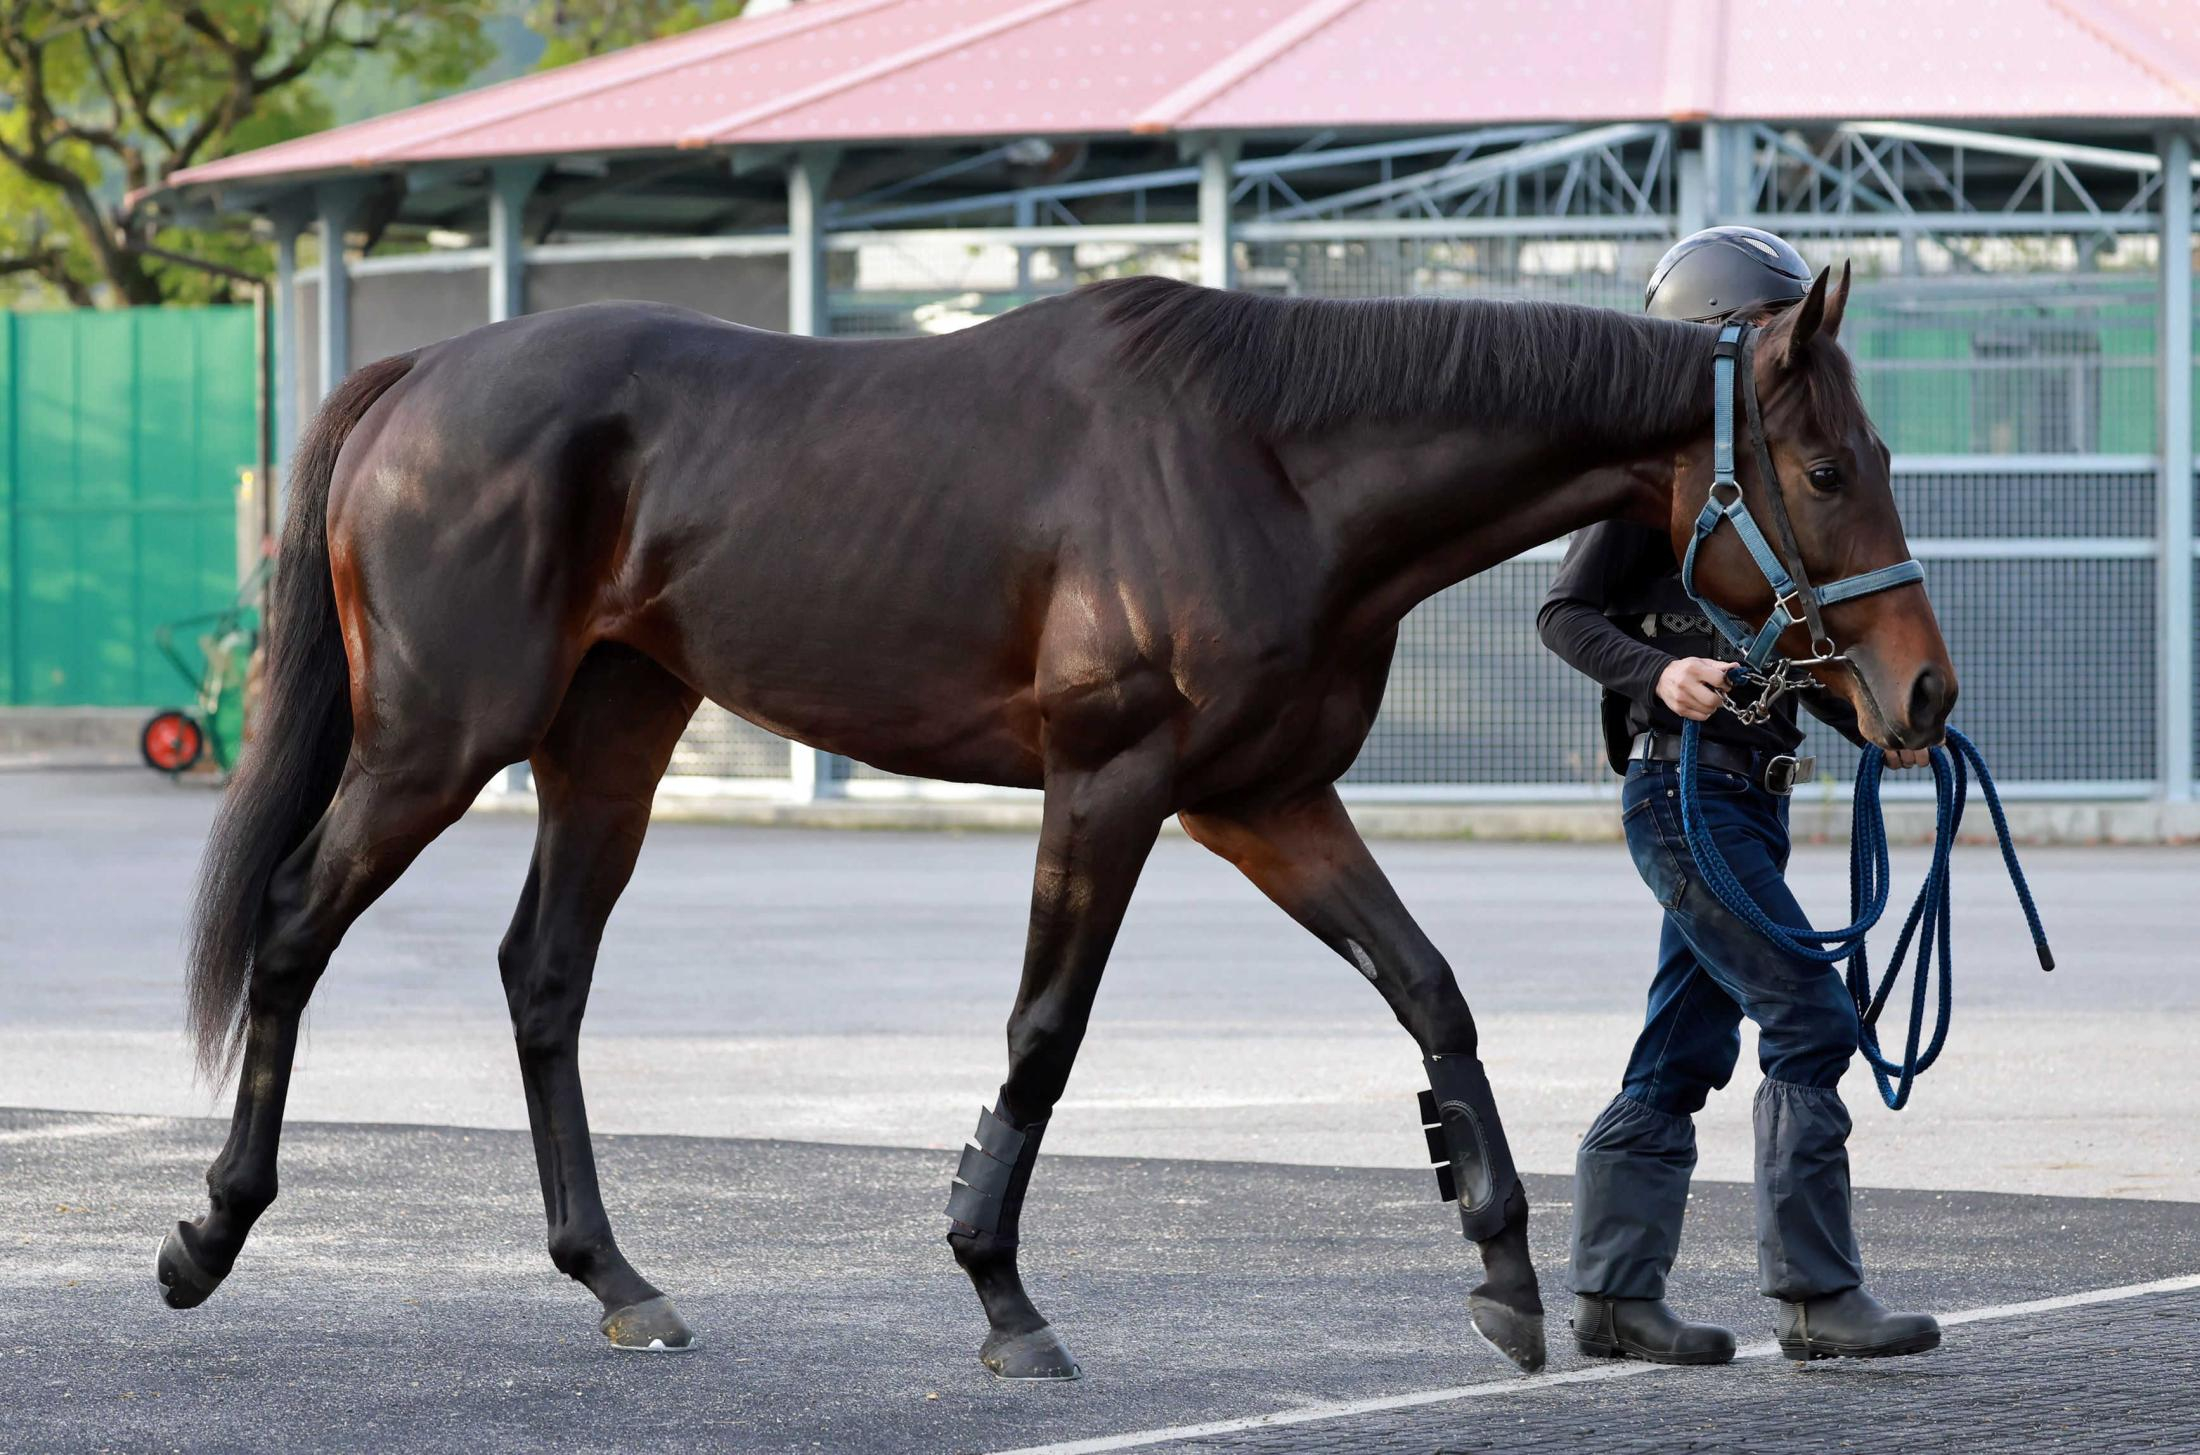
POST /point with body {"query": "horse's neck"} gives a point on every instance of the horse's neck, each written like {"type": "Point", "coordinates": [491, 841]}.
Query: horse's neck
{"type": "Point", "coordinates": [1410, 512]}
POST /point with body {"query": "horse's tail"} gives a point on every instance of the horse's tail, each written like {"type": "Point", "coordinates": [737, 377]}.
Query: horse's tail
{"type": "Point", "coordinates": [301, 737]}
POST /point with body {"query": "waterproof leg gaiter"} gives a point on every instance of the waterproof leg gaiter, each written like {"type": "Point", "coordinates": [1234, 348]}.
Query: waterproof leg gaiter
{"type": "Point", "coordinates": [1806, 1240]}
{"type": "Point", "coordinates": [1630, 1195]}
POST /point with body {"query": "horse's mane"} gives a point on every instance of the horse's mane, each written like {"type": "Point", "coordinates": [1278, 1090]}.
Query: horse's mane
{"type": "Point", "coordinates": [1294, 365]}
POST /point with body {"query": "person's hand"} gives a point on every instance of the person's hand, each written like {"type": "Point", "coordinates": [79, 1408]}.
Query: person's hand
{"type": "Point", "coordinates": [1694, 686]}
{"type": "Point", "coordinates": [1906, 757]}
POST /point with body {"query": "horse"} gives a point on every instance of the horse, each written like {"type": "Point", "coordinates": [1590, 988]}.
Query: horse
{"type": "Point", "coordinates": [1143, 546]}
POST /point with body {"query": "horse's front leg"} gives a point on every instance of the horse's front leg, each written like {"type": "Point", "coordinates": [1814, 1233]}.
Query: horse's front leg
{"type": "Point", "coordinates": [1306, 856]}
{"type": "Point", "coordinates": [1098, 827]}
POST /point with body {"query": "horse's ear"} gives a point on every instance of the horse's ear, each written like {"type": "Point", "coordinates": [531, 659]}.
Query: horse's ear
{"type": "Point", "coordinates": [1807, 319]}
{"type": "Point", "coordinates": [1837, 303]}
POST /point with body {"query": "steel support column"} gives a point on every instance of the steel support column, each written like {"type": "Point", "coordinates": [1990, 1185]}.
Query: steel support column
{"type": "Point", "coordinates": [509, 189]}
{"type": "Point", "coordinates": [810, 773]}
{"type": "Point", "coordinates": [1694, 206]}
{"type": "Point", "coordinates": [1217, 160]}
{"type": "Point", "coordinates": [2175, 492]}
{"type": "Point", "coordinates": [287, 227]}
{"type": "Point", "coordinates": [336, 206]}
{"type": "Point", "coordinates": [807, 178]}
{"type": "Point", "coordinates": [1726, 162]}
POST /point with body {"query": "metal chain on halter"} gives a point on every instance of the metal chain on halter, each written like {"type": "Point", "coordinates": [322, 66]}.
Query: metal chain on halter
{"type": "Point", "coordinates": [1784, 677]}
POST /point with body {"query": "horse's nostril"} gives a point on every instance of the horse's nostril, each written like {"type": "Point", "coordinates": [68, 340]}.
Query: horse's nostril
{"type": "Point", "coordinates": [1931, 696]}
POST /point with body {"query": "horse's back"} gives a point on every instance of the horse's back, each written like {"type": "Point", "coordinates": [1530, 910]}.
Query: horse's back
{"type": "Point", "coordinates": [840, 539]}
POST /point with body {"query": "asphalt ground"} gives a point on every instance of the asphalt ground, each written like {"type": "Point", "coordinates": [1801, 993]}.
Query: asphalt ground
{"type": "Point", "coordinates": [1271, 1246]}
{"type": "Point", "coordinates": [398, 1296]}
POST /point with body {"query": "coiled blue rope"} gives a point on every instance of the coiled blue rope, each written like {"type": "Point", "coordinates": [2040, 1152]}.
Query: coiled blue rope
{"type": "Point", "coordinates": [1928, 926]}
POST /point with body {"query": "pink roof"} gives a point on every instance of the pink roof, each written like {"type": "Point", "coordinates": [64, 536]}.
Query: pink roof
{"type": "Point", "coordinates": [874, 70]}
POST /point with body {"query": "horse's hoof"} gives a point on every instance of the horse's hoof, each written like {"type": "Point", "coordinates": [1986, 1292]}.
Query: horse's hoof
{"type": "Point", "coordinates": [653, 1326]}
{"type": "Point", "coordinates": [1034, 1354]}
{"type": "Point", "coordinates": [1516, 1335]}
{"type": "Point", "coordinates": [183, 1283]}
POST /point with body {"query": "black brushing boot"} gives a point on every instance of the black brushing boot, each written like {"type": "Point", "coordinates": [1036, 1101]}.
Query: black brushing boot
{"type": "Point", "coordinates": [984, 1207]}
{"type": "Point", "coordinates": [1474, 1167]}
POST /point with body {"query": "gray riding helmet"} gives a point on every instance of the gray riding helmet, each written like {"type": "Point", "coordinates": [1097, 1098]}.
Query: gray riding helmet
{"type": "Point", "coordinates": [1712, 275]}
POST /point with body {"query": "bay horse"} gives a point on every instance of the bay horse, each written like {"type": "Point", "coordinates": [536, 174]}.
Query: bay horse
{"type": "Point", "coordinates": [1144, 546]}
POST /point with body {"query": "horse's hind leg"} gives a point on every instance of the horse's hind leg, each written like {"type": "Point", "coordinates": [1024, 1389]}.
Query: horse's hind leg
{"type": "Point", "coordinates": [1307, 857]}
{"type": "Point", "coordinates": [378, 822]}
{"type": "Point", "coordinates": [1098, 827]}
{"type": "Point", "coordinates": [596, 771]}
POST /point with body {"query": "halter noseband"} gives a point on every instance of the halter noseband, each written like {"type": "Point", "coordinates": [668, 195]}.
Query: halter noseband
{"type": "Point", "coordinates": [1794, 598]}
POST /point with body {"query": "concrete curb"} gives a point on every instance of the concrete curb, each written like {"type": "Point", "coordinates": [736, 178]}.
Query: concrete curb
{"type": "Point", "coordinates": [70, 737]}
{"type": "Point", "coordinates": [1814, 821]}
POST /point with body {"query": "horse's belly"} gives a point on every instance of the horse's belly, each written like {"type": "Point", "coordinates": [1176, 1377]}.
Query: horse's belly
{"type": "Point", "coordinates": [931, 693]}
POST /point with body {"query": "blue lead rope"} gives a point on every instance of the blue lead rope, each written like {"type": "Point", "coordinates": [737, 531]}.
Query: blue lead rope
{"type": "Point", "coordinates": [1929, 924]}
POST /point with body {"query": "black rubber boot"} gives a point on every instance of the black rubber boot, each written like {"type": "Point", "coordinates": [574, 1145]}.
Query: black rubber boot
{"type": "Point", "coordinates": [1852, 1325]}
{"type": "Point", "coordinates": [1644, 1328]}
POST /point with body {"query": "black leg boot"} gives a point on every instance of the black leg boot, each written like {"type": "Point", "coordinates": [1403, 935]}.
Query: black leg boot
{"type": "Point", "coordinates": [984, 1208]}
{"type": "Point", "coordinates": [1474, 1167]}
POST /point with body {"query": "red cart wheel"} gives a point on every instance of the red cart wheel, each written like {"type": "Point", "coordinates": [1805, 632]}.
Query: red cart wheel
{"type": "Point", "coordinates": [171, 741]}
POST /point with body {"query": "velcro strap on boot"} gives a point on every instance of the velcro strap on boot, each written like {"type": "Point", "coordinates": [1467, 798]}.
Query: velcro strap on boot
{"type": "Point", "coordinates": [986, 1173]}
{"type": "Point", "coordinates": [1467, 1141]}
{"type": "Point", "coordinates": [1439, 1149]}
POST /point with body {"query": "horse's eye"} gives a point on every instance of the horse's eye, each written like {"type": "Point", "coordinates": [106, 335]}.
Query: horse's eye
{"type": "Point", "coordinates": [1825, 477]}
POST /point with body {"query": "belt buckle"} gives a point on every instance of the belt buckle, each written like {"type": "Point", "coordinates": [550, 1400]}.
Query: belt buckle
{"type": "Point", "coordinates": [1782, 771]}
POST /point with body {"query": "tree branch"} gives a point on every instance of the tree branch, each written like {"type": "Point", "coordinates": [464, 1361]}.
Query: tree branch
{"type": "Point", "coordinates": [51, 265]}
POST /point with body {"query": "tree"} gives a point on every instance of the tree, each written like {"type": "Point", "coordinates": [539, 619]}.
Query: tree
{"type": "Point", "coordinates": [578, 29]}
{"type": "Point", "coordinates": [101, 98]}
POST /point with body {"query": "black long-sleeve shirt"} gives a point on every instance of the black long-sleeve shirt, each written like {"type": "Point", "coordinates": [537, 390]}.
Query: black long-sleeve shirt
{"type": "Point", "coordinates": [1617, 614]}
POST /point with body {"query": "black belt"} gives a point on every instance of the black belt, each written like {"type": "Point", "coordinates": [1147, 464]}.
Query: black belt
{"type": "Point", "coordinates": [1776, 773]}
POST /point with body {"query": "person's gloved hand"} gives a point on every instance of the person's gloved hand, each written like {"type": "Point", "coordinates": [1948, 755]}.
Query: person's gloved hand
{"type": "Point", "coordinates": [1694, 686]}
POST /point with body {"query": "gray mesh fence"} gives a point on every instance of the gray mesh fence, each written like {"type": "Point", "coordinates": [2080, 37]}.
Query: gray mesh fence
{"type": "Point", "coordinates": [2049, 689]}
{"type": "Point", "coordinates": [719, 745]}
{"type": "Point", "coordinates": [2014, 379]}
{"type": "Point", "coordinates": [1475, 700]}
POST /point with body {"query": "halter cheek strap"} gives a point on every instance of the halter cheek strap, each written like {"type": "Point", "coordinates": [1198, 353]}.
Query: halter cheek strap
{"type": "Point", "coordinates": [1794, 598]}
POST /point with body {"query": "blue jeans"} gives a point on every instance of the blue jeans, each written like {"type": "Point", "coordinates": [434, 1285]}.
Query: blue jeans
{"type": "Point", "coordinates": [1632, 1171]}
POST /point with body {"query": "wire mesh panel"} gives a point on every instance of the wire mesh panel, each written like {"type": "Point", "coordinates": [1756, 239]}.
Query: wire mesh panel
{"type": "Point", "coordinates": [2055, 665]}
{"type": "Point", "coordinates": [1474, 698]}
{"type": "Point", "coordinates": [719, 745]}
{"type": "Point", "coordinates": [1601, 272]}
{"type": "Point", "coordinates": [2035, 365]}
{"type": "Point", "coordinates": [1985, 497]}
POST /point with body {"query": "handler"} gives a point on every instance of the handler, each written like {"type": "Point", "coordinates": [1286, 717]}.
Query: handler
{"type": "Point", "coordinates": [1617, 613]}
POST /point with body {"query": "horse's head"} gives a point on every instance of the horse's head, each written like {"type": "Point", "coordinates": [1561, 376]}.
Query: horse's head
{"type": "Point", "coordinates": [1831, 470]}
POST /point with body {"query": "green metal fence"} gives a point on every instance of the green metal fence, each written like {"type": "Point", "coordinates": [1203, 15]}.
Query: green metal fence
{"type": "Point", "coordinates": [122, 436]}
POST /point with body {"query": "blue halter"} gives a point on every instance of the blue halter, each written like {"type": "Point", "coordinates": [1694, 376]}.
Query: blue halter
{"type": "Point", "coordinates": [1794, 599]}
{"type": "Point", "coordinates": [1928, 927]}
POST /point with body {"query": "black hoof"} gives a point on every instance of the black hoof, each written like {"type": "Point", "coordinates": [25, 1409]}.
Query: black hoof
{"type": "Point", "coordinates": [1516, 1335]}
{"type": "Point", "coordinates": [183, 1283]}
{"type": "Point", "coordinates": [1035, 1354]}
{"type": "Point", "coordinates": [653, 1326]}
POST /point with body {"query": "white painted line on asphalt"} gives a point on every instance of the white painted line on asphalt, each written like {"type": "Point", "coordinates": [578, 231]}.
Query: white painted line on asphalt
{"type": "Point", "coordinates": [2182, 1284]}
{"type": "Point", "coordinates": [58, 1131]}
{"type": "Point", "coordinates": [1380, 1404]}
